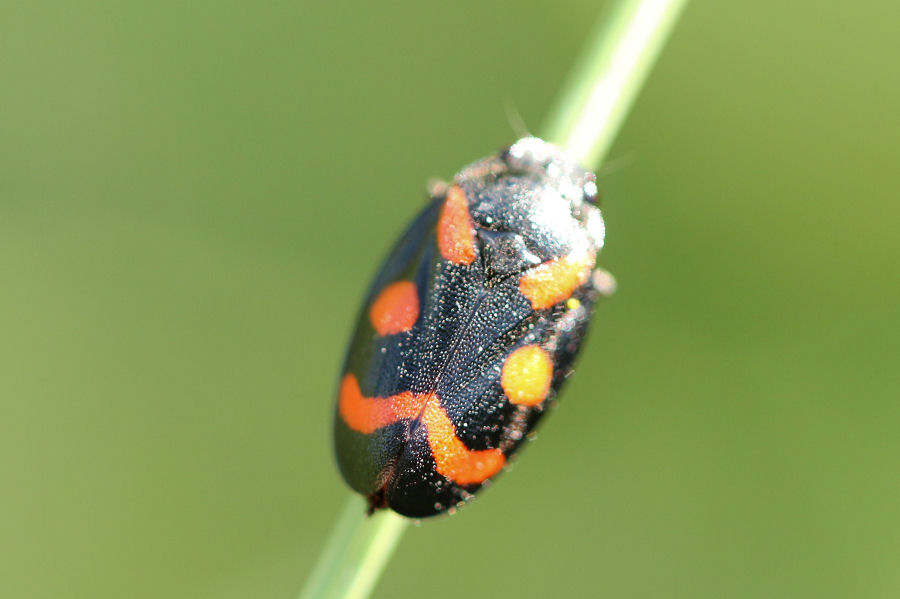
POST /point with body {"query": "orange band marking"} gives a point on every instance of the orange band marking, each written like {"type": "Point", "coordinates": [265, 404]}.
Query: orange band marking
{"type": "Point", "coordinates": [368, 414]}
{"type": "Point", "coordinates": [554, 281]}
{"type": "Point", "coordinates": [526, 375]}
{"type": "Point", "coordinates": [455, 231]}
{"type": "Point", "coordinates": [452, 458]}
{"type": "Point", "coordinates": [395, 309]}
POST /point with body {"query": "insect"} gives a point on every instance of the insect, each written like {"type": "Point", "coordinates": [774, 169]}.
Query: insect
{"type": "Point", "coordinates": [469, 330]}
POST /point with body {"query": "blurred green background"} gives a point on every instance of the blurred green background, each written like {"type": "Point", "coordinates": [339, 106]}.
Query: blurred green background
{"type": "Point", "coordinates": [193, 197]}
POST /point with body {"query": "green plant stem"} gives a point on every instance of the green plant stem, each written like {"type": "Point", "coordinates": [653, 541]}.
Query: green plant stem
{"type": "Point", "coordinates": [358, 550]}
{"type": "Point", "coordinates": [607, 76]}
{"type": "Point", "coordinates": [600, 90]}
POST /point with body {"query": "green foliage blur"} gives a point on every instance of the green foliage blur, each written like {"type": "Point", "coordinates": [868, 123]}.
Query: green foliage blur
{"type": "Point", "coordinates": [193, 197]}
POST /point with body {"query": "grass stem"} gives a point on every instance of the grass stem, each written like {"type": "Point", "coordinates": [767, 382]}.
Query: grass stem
{"type": "Point", "coordinates": [607, 76]}
{"type": "Point", "coordinates": [359, 548]}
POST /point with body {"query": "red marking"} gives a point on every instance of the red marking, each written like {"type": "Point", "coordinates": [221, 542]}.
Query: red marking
{"type": "Point", "coordinates": [552, 282]}
{"type": "Point", "coordinates": [367, 414]}
{"type": "Point", "coordinates": [395, 309]}
{"type": "Point", "coordinates": [455, 231]}
{"type": "Point", "coordinates": [452, 458]}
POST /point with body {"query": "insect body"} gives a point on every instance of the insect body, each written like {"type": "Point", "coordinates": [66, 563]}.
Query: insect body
{"type": "Point", "coordinates": [469, 330]}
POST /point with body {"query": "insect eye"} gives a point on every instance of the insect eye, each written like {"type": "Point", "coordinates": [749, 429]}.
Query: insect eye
{"type": "Point", "coordinates": [591, 194]}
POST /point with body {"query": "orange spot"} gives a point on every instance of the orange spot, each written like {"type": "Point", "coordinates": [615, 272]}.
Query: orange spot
{"type": "Point", "coordinates": [395, 309]}
{"type": "Point", "coordinates": [554, 281]}
{"type": "Point", "coordinates": [526, 375]}
{"type": "Point", "coordinates": [455, 231]}
{"type": "Point", "coordinates": [368, 414]}
{"type": "Point", "coordinates": [452, 458]}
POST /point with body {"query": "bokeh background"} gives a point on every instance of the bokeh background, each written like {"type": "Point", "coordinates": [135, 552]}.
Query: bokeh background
{"type": "Point", "coordinates": [193, 197]}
